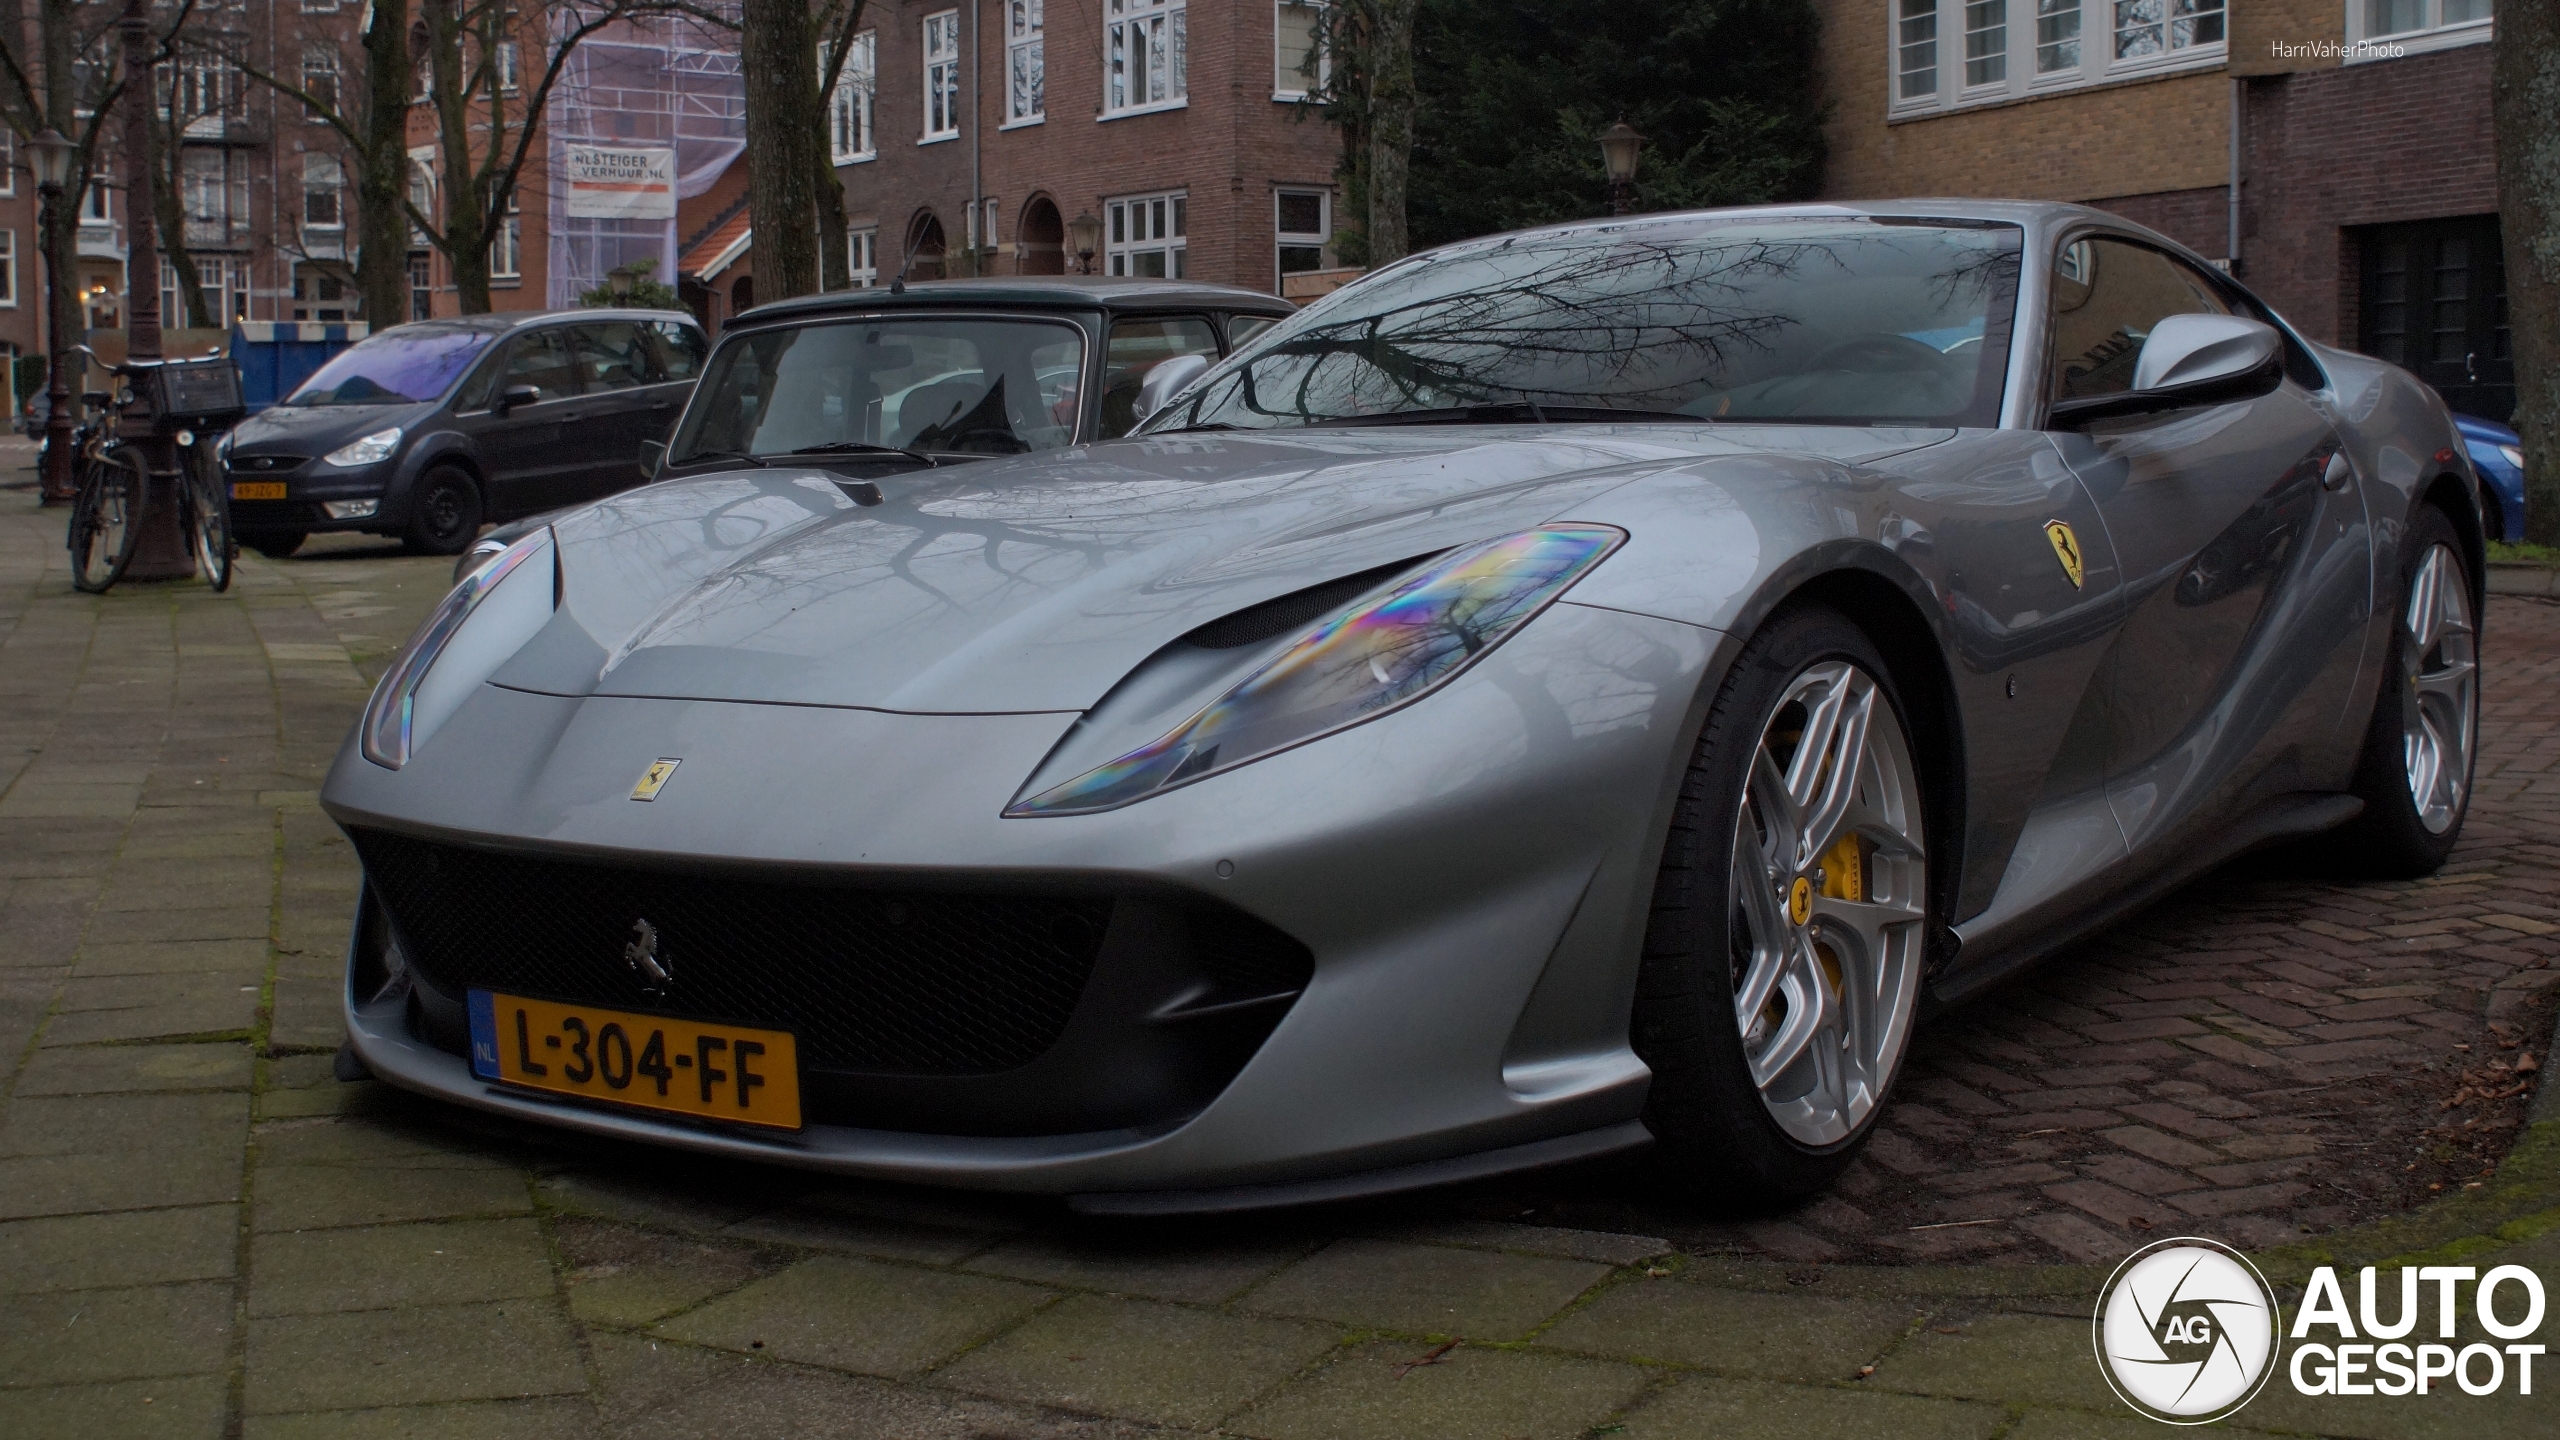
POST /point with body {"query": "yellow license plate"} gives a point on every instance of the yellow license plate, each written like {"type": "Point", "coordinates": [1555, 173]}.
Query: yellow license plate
{"type": "Point", "coordinates": [257, 489]}
{"type": "Point", "coordinates": [689, 1067]}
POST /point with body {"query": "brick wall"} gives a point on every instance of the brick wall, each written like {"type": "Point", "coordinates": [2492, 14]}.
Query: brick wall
{"type": "Point", "coordinates": [2329, 150]}
{"type": "Point", "coordinates": [1230, 148]}
{"type": "Point", "coordinates": [2199, 219]}
{"type": "Point", "coordinates": [2258, 27]}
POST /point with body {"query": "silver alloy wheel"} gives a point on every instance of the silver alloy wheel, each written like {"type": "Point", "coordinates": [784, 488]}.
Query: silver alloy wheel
{"type": "Point", "coordinates": [2440, 664]}
{"type": "Point", "coordinates": [1828, 896]}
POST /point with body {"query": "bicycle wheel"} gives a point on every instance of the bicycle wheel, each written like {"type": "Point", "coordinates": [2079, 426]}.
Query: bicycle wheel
{"type": "Point", "coordinates": [208, 518]}
{"type": "Point", "coordinates": [106, 520]}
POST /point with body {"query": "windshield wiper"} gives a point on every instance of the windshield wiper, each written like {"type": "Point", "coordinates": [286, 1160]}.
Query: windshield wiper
{"type": "Point", "coordinates": [861, 447]}
{"type": "Point", "coordinates": [1512, 412]}
{"type": "Point", "coordinates": [1186, 429]}
{"type": "Point", "coordinates": [698, 457]}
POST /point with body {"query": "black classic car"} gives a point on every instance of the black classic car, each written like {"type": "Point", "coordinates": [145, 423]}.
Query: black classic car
{"type": "Point", "coordinates": [426, 431]}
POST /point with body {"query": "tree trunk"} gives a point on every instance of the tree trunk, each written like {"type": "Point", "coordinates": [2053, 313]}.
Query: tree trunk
{"type": "Point", "coordinates": [382, 169]}
{"type": "Point", "coordinates": [2524, 96]}
{"type": "Point", "coordinates": [835, 262]}
{"type": "Point", "coordinates": [169, 211]}
{"type": "Point", "coordinates": [1390, 128]}
{"type": "Point", "coordinates": [779, 59]}
{"type": "Point", "coordinates": [466, 233]}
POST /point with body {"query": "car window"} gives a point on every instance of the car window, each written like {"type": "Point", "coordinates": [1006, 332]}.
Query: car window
{"type": "Point", "coordinates": [610, 356]}
{"type": "Point", "coordinates": [540, 360]}
{"type": "Point", "coordinates": [2107, 294]}
{"type": "Point", "coordinates": [1139, 345]}
{"type": "Point", "coordinates": [1242, 328]}
{"type": "Point", "coordinates": [949, 384]}
{"type": "Point", "coordinates": [482, 387]}
{"type": "Point", "coordinates": [675, 347]}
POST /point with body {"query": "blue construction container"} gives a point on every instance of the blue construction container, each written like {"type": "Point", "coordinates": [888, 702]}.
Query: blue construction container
{"type": "Point", "coordinates": [274, 356]}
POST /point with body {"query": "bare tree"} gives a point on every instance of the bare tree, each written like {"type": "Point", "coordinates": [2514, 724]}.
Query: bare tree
{"type": "Point", "coordinates": [1390, 116]}
{"type": "Point", "coordinates": [2524, 91]}
{"type": "Point", "coordinates": [366, 106]}
{"type": "Point", "coordinates": [76, 43]}
{"type": "Point", "coordinates": [792, 55]}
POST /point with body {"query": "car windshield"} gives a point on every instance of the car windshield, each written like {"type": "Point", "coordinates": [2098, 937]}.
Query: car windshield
{"type": "Point", "coordinates": [950, 386]}
{"type": "Point", "coordinates": [1800, 319]}
{"type": "Point", "coordinates": [413, 362]}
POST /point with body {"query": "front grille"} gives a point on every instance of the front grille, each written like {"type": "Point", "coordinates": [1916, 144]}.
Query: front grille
{"type": "Point", "coordinates": [908, 982]}
{"type": "Point", "coordinates": [264, 465]}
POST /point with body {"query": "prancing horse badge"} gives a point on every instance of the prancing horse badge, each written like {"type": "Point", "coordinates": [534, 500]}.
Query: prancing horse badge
{"type": "Point", "coordinates": [2066, 548]}
{"type": "Point", "coordinates": [655, 778]}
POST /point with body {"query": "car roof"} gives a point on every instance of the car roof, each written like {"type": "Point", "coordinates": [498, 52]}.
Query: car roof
{"type": "Point", "coordinates": [1078, 292]}
{"type": "Point", "coordinates": [502, 321]}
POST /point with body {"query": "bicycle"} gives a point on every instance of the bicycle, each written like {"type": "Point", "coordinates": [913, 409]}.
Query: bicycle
{"type": "Point", "coordinates": [109, 509]}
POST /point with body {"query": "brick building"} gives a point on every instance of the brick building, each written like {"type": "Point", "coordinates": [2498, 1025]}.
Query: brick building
{"type": "Point", "coordinates": [970, 134]}
{"type": "Point", "coordinates": [2337, 154]}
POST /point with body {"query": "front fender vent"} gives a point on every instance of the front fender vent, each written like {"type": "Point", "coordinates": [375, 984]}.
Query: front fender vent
{"type": "Point", "coordinates": [1293, 611]}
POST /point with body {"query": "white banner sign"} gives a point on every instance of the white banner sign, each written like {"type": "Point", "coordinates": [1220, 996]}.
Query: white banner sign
{"type": "Point", "coordinates": [615, 184]}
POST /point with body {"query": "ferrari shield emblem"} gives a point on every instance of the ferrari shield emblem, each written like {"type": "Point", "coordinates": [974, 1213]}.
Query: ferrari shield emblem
{"type": "Point", "coordinates": [1800, 900]}
{"type": "Point", "coordinates": [654, 780]}
{"type": "Point", "coordinates": [2066, 548]}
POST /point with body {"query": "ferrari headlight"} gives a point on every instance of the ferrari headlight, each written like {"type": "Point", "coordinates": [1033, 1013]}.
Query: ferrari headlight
{"type": "Point", "coordinates": [371, 449]}
{"type": "Point", "coordinates": [2514, 454]}
{"type": "Point", "coordinates": [1380, 654]}
{"type": "Point", "coordinates": [414, 696]}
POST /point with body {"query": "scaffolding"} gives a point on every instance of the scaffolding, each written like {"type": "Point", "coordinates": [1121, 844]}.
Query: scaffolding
{"type": "Point", "coordinates": [656, 83]}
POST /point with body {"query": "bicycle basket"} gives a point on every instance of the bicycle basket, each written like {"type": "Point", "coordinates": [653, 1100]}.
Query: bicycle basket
{"type": "Point", "coordinates": [191, 392]}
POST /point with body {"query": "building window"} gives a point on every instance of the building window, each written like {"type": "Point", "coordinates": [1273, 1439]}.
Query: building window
{"type": "Point", "coordinates": [1298, 61]}
{"type": "Point", "coordinates": [8, 269]}
{"type": "Point", "coordinates": [422, 294]}
{"type": "Point", "coordinates": [319, 7]}
{"type": "Point", "coordinates": [980, 223]}
{"type": "Point", "coordinates": [510, 75]}
{"type": "Point", "coordinates": [204, 194]}
{"type": "Point", "coordinates": [95, 207]}
{"type": "Point", "coordinates": [1144, 235]}
{"type": "Point", "coordinates": [1915, 52]}
{"type": "Point", "coordinates": [323, 193]}
{"type": "Point", "coordinates": [2057, 36]}
{"type": "Point", "coordinates": [1025, 62]}
{"type": "Point", "coordinates": [1304, 228]}
{"type": "Point", "coordinates": [319, 80]}
{"type": "Point", "coordinates": [201, 87]}
{"type": "Point", "coordinates": [2414, 25]}
{"type": "Point", "coordinates": [862, 257]}
{"type": "Point", "coordinates": [942, 75]}
{"type": "Point", "coordinates": [1146, 56]}
{"type": "Point", "coordinates": [225, 283]}
{"type": "Point", "coordinates": [506, 247]}
{"type": "Point", "coordinates": [1986, 42]}
{"type": "Point", "coordinates": [8, 162]}
{"type": "Point", "coordinates": [849, 106]}
{"type": "Point", "coordinates": [2147, 28]}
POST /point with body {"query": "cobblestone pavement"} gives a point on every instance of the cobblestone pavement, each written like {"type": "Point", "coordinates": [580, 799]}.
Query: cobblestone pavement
{"type": "Point", "coordinates": [202, 1233]}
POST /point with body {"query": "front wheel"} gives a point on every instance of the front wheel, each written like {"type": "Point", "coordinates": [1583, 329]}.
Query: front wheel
{"type": "Point", "coordinates": [1784, 952]}
{"type": "Point", "coordinates": [2415, 773]}
{"type": "Point", "coordinates": [445, 517]}
{"type": "Point", "coordinates": [106, 519]}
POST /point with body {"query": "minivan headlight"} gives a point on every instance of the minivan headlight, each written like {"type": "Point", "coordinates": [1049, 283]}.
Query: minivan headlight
{"type": "Point", "coordinates": [2514, 455]}
{"type": "Point", "coordinates": [1377, 656]}
{"type": "Point", "coordinates": [370, 450]}
{"type": "Point", "coordinates": [406, 707]}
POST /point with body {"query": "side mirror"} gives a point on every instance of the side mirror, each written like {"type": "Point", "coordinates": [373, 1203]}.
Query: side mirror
{"type": "Point", "coordinates": [653, 457]}
{"type": "Point", "coordinates": [1166, 381]}
{"type": "Point", "coordinates": [515, 395]}
{"type": "Point", "coordinates": [2189, 360]}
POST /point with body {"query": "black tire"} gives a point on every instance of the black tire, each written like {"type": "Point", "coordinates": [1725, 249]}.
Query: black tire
{"type": "Point", "coordinates": [2393, 839]}
{"type": "Point", "coordinates": [107, 519]}
{"type": "Point", "coordinates": [1717, 1138]}
{"type": "Point", "coordinates": [208, 518]}
{"type": "Point", "coordinates": [276, 544]}
{"type": "Point", "coordinates": [444, 516]}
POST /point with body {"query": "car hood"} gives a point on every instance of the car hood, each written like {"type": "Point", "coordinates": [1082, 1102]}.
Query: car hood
{"type": "Point", "coordinates": [1035, 584]}
{"type": "Point", "coordinates": [319, 429]}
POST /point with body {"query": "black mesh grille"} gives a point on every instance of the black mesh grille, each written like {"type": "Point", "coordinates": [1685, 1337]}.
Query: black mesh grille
{"type": "Point", "coordinates": [869, 980]}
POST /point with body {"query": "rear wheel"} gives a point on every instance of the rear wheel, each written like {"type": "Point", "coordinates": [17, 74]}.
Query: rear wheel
{"type": "Point", "coordinates": [106, 519]}
{"type": "Point", "coordinates": [1784, 952]}
{"type": "Point", "coordinates": [2415, 774]}
{"type": "Point", "coordinates": [444, 518]}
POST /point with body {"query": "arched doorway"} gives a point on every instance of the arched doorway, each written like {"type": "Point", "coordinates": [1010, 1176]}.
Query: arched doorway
{"type": "Point", "coordinates": [1042, 249]}
{"type": "Point", "coordinates": [742, 296]}
{"type": "Point", "coordinates": [925, 247]}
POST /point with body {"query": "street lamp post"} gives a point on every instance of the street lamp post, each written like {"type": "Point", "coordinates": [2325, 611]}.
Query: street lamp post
{"type": "Point", "coordinates": [620, 279]}
{"type": "Point", "coordinates": [1085, 234]}
{"type": "Point", "coordinates": [1619, 147]}
{"type": "Point", "coordinates": [52, 155]}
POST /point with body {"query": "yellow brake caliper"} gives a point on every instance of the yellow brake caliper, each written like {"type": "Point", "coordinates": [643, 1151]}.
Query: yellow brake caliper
{"type": "Point", "coordinates": [1844, 877]}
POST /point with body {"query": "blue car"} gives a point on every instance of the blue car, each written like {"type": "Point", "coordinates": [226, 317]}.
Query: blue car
{"type": "Point", "coordinates": [2498, 454]}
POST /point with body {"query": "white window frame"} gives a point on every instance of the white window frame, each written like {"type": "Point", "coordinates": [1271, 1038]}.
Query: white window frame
{"type": "Point", "coordinates": [510, 69]}
{"type": "Point", "coordinates": [1161, 29]}
{"type": "Point", "coordinates": [862, 256]}
{"type": "Point", "coordinates": [323, 174]}
{"type": "Point", "coordinates": [506, 248]}
{"type": "Point", "coordinates": [2090, 27]}
{"type": "Point", "coordinates": [8, 269]}
{"type": "Point", "coordinates": [1119, 248]}
{"type": "Point", "coordinates": [1287, 84]}
{"type": "Point", "coordinates": [1299, 239]}
{"type": "Point", "coordinates": [97, 203]}
{"type": "Point", "coordinates": [319, 7]}
{"type": "Point", "coordinates": [196, 184]}
{"type": "Point", "coordinates": [940, 41]}
{"type": "Point", "coordinates": [2364, 43]}
{"type": "Point", "coordinates": [8, 162]}
{"type": "Point", "coordinates": [1026, 55]}
{"type": "Point", "coordinates": [224, 279]}
{"type": "Point", "coordinates": [320, 58]}
{"type": "Point", "coordinates": [979, 221]}
{"type": "Point", "coordinates": [851, 139]}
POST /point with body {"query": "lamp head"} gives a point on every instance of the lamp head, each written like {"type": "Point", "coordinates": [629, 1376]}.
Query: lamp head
{"type": "Point", "coordinates": [1084, 233]}
{"type": "Point", "coordinates": [52, 155]}
{"type": "Point", "coordinates": [619, 281]}
{"type": "Point", "coordinates": [1619, 147]}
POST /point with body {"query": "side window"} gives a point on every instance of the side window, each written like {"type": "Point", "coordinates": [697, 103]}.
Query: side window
{"type": "Point", "coordinates": [676, 349]}
{"type": "Point", "coordinates": [1242, 328]}
{"type": "Point", "coordinates": [2107, 294]}
{"type": "Point", "coordinates": [539, 359]}
{"type": "Point", "coordinates": [482, 387]}
{"type": "Point", "coordinates": [610, 356]}
{"type": "Point", "coordinates": [1138, 346]}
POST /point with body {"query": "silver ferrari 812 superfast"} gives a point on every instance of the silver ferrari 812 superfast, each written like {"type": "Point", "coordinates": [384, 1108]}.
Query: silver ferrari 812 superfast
{"type": "Point", "coordinates": [1569, 691]}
